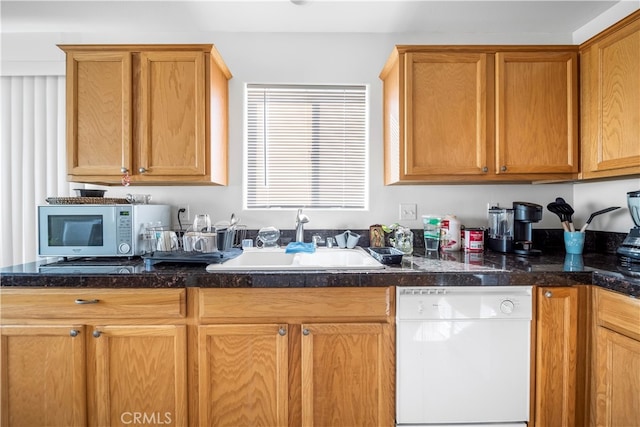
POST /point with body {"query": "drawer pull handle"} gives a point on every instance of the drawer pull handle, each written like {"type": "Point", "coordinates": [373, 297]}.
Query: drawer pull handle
{"type": "Point", "coordinates": [548, 294]}
{"type": "Point", "coordinates": [96, 334]}
{"type": "Point", "coordinates": [282, 332]}
{"type": "Point", "coordinates": [305, 331]}
{"type": "Point", "coordinates": [87, 301]}
{"type": "Point", "coordinates": [74, 332]}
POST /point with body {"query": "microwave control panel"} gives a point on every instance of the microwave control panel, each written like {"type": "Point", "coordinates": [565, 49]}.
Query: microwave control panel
{"type": "Point", "coordinates": [124, 230]}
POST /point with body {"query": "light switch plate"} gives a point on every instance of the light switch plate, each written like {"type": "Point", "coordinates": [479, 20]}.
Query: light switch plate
{"type": "Point", "coordinates": [408, 212]}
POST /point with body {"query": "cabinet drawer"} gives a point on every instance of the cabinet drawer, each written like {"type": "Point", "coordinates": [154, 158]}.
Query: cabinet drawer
{"type": "Point", "coordinates": [92, 303]}
{"type": "Point", "coordinates": [618, 312]}
{"type": "Point", "coordinates": [291, 305]}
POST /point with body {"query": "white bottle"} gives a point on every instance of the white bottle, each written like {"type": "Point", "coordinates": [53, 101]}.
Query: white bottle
{"type": "Point", "coordinates": [450, 234]}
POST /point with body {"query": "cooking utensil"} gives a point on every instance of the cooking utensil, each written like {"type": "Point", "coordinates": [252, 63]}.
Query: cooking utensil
{"type": "Point", "coordinates": [556, 208]}
{"type": "Point", "coordinates": [600, 212]}
{"type": "Point", "coordinates": [567, 211]}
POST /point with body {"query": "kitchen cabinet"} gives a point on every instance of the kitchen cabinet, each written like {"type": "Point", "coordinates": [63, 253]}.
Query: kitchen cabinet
{"type": "Point", "coordinates": [615, 387]}
{"type": "Point", "coordinates": [43, 375]}
{"type": "Point", "coordinates": [157, 113]}
{"type": "Point", "coordinates": [560, 362]}
{"type": "Point", "coordinates": [610, 101]}
{"type": "Point", "coordinates": [93, 357]}
{"type": "Point", "coordinates": [295, 356]}
{"type": "Point", "coordinates": [480, 114]}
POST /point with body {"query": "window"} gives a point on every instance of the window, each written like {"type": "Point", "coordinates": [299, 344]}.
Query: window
{"type": "Point", "coordinates": [306, 146]}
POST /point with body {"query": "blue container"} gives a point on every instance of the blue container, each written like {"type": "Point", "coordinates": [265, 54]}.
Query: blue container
{"type": "Point", "coordinates": [574, 242]}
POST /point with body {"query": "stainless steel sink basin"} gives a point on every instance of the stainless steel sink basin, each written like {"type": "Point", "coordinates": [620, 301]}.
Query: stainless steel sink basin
{"type": "Point", "coordinates": [321, 259]}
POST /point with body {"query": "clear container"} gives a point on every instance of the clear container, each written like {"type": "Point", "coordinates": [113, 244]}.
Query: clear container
{"type": "Point", "coordinates": [501, 223]}
{"type": "Point", "coordinates": [432, 227]}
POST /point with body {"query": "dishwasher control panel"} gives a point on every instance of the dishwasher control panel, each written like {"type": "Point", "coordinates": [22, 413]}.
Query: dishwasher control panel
{"type": "Point", "coordinates": [461, 302]}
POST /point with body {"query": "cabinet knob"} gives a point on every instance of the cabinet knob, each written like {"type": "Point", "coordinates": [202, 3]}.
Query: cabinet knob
{"type": "Point", "coordinates": [282, 332]}
{"type": "Point", "coordinates": [485, 169]}
{"type": "Point", "coordinates": [124, 170]}
{"type": "Point", "coordinates": [96, 333]}
{"type": "Point", "coordinates": [503, 168]}
{"type": "Point", "coordinates": [305, 331]}
{"type": "Point", "coordinates": [74, 332]}
{"type": "Point", "coordinates": [87, 301]}
{"type": "Point", "coordinates": [548, 294]}
{"type": "Point", "coordinates": [142, 170]}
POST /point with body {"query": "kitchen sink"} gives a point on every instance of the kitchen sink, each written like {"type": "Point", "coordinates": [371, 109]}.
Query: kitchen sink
{"type": "Point", "coordinates": [278, 259]}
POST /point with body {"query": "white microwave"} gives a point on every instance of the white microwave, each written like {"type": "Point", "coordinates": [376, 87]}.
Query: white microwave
{"type": "Point", "coordinates": [97, 230]}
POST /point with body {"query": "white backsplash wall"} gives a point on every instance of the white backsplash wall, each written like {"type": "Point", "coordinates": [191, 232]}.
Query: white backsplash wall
{"type": "Point", "coordinates": [590, 197]}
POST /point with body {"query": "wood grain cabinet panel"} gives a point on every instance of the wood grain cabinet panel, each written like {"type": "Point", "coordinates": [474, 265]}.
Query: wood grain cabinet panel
{"type": "Point", "coordinates": [155, 112]}
{"type": "Point", "coordinates": [243, 374]}
{"type": "Point", "coordinates": [615, 387]}
{"type": "Point", "coordinates": [321, 368]}
{"type": "Point", "coordinates": [344, 375]}
{"type": "Point", "coordinates": [480, 113]}
{"type": "Point", "coordinates": [137, 372]}
{"type": "Point", "coordinates": [559, 367]}
{"type": "Point", "coordinates": [537, 113]}
{"type": "Point", "coordinates": [93, 362]}
{"type": "Point", "coordinates": [43, 376]}
{"type": "Point", "coordinates": [611, 101]}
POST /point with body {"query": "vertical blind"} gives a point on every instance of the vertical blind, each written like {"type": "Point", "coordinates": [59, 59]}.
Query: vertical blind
{"type": "Point", "coordinates": [32, 159]}
{"type": "Point", "coordinates": [306, 146]}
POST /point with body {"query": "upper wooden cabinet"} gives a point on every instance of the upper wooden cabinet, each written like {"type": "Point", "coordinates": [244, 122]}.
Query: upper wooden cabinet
{"type": "Point", "coordinates": [477, 114]}
{"type": "Point", "coordinates": [156, 112]}
{"type": "Point", "coordinates": [610, 109]}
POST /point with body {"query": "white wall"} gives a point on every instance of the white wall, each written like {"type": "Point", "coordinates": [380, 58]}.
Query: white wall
{"type": "Point", "coordinates": [322, 58]}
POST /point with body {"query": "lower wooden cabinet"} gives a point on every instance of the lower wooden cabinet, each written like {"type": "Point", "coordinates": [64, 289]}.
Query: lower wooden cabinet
{"type": "Point", "coordinates": [243, 374]}
{"type": "Point", "coordinates": [560, 362]}
{"type": "Point", "coordinates": [80, 357]}
{"type": "Point", "coordinates": [137, 375]}
{"type": "Point", "coordinates": [616, 360]}
{"type": "Point", "coordinates": [280, 357]}
{"type": "Point", "coordinates": [43, 375]}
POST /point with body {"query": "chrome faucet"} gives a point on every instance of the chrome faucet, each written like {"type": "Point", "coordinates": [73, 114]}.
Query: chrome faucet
{"type": "Point", "coordinates": [301, 219]}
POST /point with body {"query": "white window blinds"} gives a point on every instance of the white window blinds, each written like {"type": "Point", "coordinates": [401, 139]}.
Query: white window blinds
{"type": "Point", "coordinates": [306, 146]}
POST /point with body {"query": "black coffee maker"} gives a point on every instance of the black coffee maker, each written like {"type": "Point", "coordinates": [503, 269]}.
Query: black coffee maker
{"type": "Point", "coordinates": [510, 229]}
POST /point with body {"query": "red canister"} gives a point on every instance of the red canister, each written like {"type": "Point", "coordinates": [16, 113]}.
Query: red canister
{"type": "Point", "coordinates": [473, 240]}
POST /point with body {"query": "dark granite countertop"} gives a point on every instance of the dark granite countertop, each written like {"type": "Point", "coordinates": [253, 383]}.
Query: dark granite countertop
{"type": "Point", "coordinates": [450, 269]}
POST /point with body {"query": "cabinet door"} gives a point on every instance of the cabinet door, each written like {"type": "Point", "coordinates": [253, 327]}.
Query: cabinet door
{"type": "Point", "coordinates": [617, 379]}
{"type": "Point", "coordinates": [611, 104]}
{"type": "Point", "coordinates": [243, 375]}
{"type": "Point", "coordinates": [99, 113]}
{"type": "Point", "coordinates": [171, 116]}
{"type": "Point", "coordinates": [447, 106]}
{"type": "Point", "coordinates": [345, 375]}
{"type": "Point", "coordinates": [137, 375]}
{"type": "Point", "coordinates": [556, 356]}
{"type": "Point", "coordinates": [536, 112]}
{"type": "Point", "coordinates": [615, 383]}
{"type": "Point", "coordinates": [43, 373]}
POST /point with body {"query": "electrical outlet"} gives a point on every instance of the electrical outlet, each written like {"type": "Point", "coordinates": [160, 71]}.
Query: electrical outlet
{"type": "Point", "coordinates": [408, 212]}
{"type": "Point", "coordinates": [185, 216]}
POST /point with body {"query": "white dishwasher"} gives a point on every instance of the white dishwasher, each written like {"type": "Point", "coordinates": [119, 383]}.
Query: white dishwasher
{"type": "Point", "coordinates": [463, 355]}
